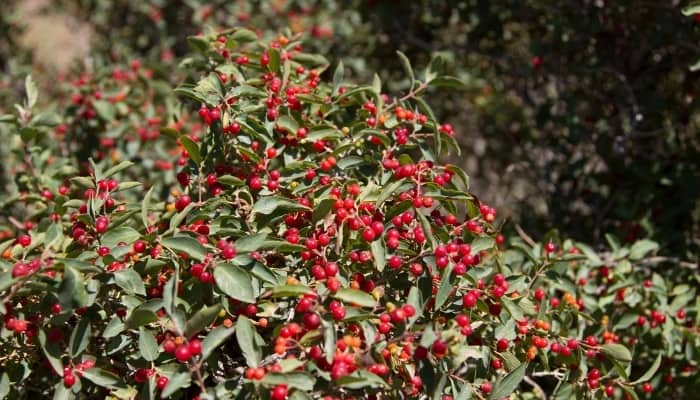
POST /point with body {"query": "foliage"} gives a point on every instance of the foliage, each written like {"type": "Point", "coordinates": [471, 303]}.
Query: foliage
{"type": "Point", "coordinates": [581, 115]}
{"type": "Point", "coordinates": [273, 234]}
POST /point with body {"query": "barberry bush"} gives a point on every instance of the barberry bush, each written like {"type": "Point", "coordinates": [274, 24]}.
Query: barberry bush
{"type": "Point", "coordinates": [268, 230]}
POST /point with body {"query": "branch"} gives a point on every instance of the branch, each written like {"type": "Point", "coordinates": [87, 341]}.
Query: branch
{"type": "Point", "coordinates": [537, 388]}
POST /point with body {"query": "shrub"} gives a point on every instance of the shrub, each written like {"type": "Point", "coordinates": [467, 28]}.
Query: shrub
{"type": "Point", "coordinates": [302, 240]}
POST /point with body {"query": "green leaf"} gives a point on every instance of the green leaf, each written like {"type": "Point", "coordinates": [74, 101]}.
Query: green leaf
{"type": "Point", "coordinates": [510, 360]}
{"type": "Point", "coordinates": [322, 209]}
{"type": "Point", "coordinates": [361, 379]}
{"type": "Point", "coordinates": [7, 118]}
{"type": "Point", "coordinates": [28, 133]}
{"type": "Point", "coordinates": [337, 77]}
{"type": "Point", "coordinates": [290, 290]}
{"type": "Point", "coordinates": [105, 110]}
{"type": "Point", "coordinates": [353, 92]}
{"type": "Point", "coordinates": [250, 243]}
{"type": "Point", "coordinates": [444, 289]}
{"type": "Point", "coordinates": [201, 319]}
{"type": "Point", "coordinates": [145, 206]}
{"type": "Point", "coordinates": [592, 256]}
{"type": "Point", "coordinates": [103, 378]}
{"type": "Point", "coordinates": [243, 35]}
{"type": "Point", "coordinates": [691, 10]}
{"type": "Point", "coordinates": [617, 351]}
{"type": "Point", "coordinates": [288, 123]}
{"type": "Point", "coordinates": [234, 282]}
{"type": "Point", "coordinates": [72, 292]}
{"type": "Point", "coordinates": [350, 161]}
{"type": "Point", "coordinates": [355, 296]}
{"type": "Point", "coordinates": [377, 85]}
{"type": "Point", "coordinates": [84, 182]}
{"type": "Point", "coordinates": [322, 133]}
{"type": "Point", "coordinates": [214, 339]}
{"type": "Point", "coordinates": [695, 67]}
{"type": "Point", "coordinates": [192, 149]}
{"type": "Point", "coordinates": [230, 180]}
{"type": "Point", "coordinates": [185, 244]}
{"type": "Point", "coordinates": [650, 372]}
{"type": "Point", "coordinates": [52, 353]}
{"type": "Point", "coordinates": [379, 254]}
{"type": "Point", "coordinates": [447, 81]}
{"type": "Point", "coordinates": [148, 346]}
{"type": "Point", "coordinates": [629, 391]}
{"type": "Point", "coordinates": [274, 64]}
{"type": "Point", "coordinates": [54, 236]}
{"type": "Point", "coordinates": [130, 281]}
{"type": "Point", "coordinates": [117, 169]}
{"type": "Point", "coordinates": [461, 174]}
{"type": "Point", "coordinates": [513, 309]}
{"type": "Point", "coordinates": [414, 299]}
{"type": "Point", "coordinates": [509, 383]}
{"type": "Point", "coordinates": [177, 381]}
{"type": "Point", "coordinates": [140, 317]}
{"type": "Point", "coordinates": [465, 393]}
{"type": "Point", "coordinates": [482, 243]}
{"type": "Point", "coordinates": [32, 91]}
{"type": "Point", "coordinates": [329, 339]}
{"type": "Point", "coordinates": [388, 191]}
{"type": "Point", "coordinates": [177, 219]}
{"type": "Point", "coordinates": [80, 338]}
{"type": "Point", "coordinates": [61, 392]}
{"type": "Point", "coordinates": [187, 90]}
{"type": "Point", "coordinates": [641, 248]}
{"type": "Point", "coordinates": [406, 64]}
{"type": "Point", "coordinates": [48, 119]}
{"type": "Point", "coordinates": [199, 44]}
{"type": "Point", "coordinates": [299, 380]}
{"type": "Point", "coordinates": [125, 234]}
{"type": "Point", "coordinates": [268, 205]}
{"type": "Point", "coordinates": [4, 385]}
{"type": "Point", "coordinates": [427, 229]}
{"type": "Point", "coordinates": [245, 334]}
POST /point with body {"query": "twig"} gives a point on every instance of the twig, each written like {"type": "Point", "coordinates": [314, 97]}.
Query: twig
{"type": "Point", "coordinates": [536, 387]}
{"type": "Point", "coordinates": [524, 235]}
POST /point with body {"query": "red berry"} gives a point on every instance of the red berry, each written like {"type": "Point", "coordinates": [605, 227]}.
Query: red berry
{"type": "Point", "coordinates": [24, 240]}
{"type": "Point", "coordinates": [539, 294]}
{"type": "Point", "coordinates": [101, 224]}
{"type": "Point", "coordinates": [195, 347]}
{"type": "Point", "coordinates": [162, 382]}
{"type": "Point", "coordinates": [182, 202]}
{"type": "Point", "coordinates": [609, 390]}
{"type": "Point", "coordinates": [469, 300]}
{"type": "Point", "coordinates": [279, 392]}
{"type": "Point", "coordinates": [311, 320]}
{"type": "Point", "coordinates": [182, 353]}
{"type": "Point", "coordinates": [409, 310]}
{"type": "Point", "coordinates": [69, 380]}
